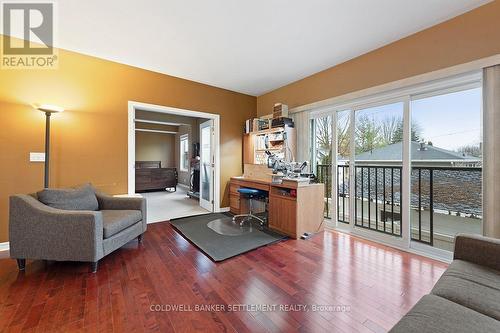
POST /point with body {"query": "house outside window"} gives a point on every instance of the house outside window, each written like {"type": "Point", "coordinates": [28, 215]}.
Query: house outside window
{"type": "Point", "coordinates": [184, 152]}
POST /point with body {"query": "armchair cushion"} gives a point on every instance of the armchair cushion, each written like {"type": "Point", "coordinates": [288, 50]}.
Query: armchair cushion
{"type": "Point", "coordinates": [115, 221]}
{"type": "Point", "coordinates": [82, 198]}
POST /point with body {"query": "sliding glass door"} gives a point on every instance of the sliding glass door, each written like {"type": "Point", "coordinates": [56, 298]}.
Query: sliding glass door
{"type": "Point", "coordinates": [343, 153]}
{"type": "Point", "coordinates": [405, 169]}
{"type": "Point", "coordinates": [378, 137]}
{"type": "Point", "coordinates": [321, 156]}
{"type": "Point", "coordinates": [365, 148]}
{"type": "Point", "coordinates": [446, 160]}
{"type": "Point", "coordinates": [328, 154]}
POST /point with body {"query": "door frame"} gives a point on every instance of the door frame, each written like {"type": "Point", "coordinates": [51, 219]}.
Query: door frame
{"type": "Point", "coordinates": [134, 105]}
{"type": "Point", "coordinates": [210, 200]}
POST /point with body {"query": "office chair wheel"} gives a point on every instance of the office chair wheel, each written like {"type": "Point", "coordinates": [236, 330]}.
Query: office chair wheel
{"type": "Point", "coordinates": [242, 223]}
{"type": "Point", "coordinates": [237, 216]}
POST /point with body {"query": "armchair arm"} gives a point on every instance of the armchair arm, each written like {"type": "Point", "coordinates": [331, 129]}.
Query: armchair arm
{"type": "Point", "coordinates": [37, 231]}
{"type": "Point", "coordinates": [122, 203]}
{"type": "Point", "coordinates": [477, 249]}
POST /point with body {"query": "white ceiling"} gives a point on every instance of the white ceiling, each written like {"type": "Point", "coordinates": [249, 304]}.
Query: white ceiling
{"type": "Point", "coordinates": [251, 46]}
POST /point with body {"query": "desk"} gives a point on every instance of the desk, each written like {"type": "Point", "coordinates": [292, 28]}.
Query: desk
{"type": "Point", "coordinates": [289, 215]}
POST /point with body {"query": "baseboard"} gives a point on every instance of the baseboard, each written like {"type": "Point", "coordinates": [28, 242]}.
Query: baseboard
{"type": "Point", "coordinates": [4, 246]}
{"type": "Point", "coordinates": [136, 195]}
{"type": "Point", "coordinates": [224, 209]}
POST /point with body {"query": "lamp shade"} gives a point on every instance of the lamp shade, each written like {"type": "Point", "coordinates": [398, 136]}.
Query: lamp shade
{"type": "Point", "coordinates": [49, 108]}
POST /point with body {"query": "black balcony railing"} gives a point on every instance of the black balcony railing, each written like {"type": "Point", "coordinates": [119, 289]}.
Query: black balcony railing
{"type": "Point", "coordinates": [324, 175]}
{"type": "Point", "coordinates": [378, 198]}
{"type": "Point", "coordinates": [455, 191]}
{"type": "Point", "coordinates": [385, 215]}
{"type": "Point", "coordinates": [445, 190]}
{"type": "Point", "coordinates": [343, 193]}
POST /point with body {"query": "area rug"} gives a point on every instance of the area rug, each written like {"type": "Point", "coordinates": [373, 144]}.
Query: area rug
{"type": "Point", "coordinates": [220, 238]}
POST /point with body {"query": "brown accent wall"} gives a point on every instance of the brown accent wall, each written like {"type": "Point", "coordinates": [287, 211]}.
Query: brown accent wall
{"type": "Point", "coordinates": [89, 140]}
{"type": "Point", "coordinates": [471, 36]}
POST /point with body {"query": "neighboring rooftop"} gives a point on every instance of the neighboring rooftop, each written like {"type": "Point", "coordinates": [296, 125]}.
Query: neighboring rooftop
{"type": "Point", "coordinates": [454, 190]}
{"type": "Point", "coordinates": [419, 151]}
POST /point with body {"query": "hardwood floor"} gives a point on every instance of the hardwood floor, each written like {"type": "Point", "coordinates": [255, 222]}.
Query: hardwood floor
{"type": "Point", "coordinates": [377, 284]}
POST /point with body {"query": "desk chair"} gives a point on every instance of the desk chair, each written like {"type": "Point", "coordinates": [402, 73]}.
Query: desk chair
{"type": "Point", "coordinates": [250, 194]}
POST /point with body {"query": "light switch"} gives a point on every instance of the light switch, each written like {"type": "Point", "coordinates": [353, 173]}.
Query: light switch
{"type": "Point", "coordinates": [37, 157]}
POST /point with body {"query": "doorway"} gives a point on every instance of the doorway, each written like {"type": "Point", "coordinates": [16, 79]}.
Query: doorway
{"type": "Point", "coordinates": [173, 160]}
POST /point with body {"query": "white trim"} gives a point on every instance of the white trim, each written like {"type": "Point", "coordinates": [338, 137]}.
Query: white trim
{"type": "Point", "coordinates": [183, 137]}
{"type": "Point", "coordinates": [131, 149]}
{"type": "Point", "coordinates": [126, 195]}
{"type": "Point", "coordinates": [431, 251]}
{"type": "Point", "coordinates": [133, 105]}
{"type": "Point", "coordinates": [386, 239]}
{"type": "Point", "coordinates": [352, 171]}
{"type": "Point", "coordinates": [334, 186]}
{"type": "Point", "coordinates": [416, 248]}
{"type": "Point", "coordinates": [158, 122]}
{"type": "Point", "coordinates": [406, 176]}
{"type": "Point", "coordinates": [397, 94]}
{"type": "Point", "coordinates": [473, 66]}
{"type": "Point", "coordinates": [449, 90]}
{"type": "Point", "coordinates": [225, 209]}
{"type": "Point", "coordinates": [154, 131]}
{"type": "Point", "coordinates": [4, 246]}
{"type": "Point", "coordinates": [207, 204]}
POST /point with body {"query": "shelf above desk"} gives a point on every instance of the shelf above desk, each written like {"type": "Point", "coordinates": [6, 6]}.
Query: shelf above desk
{"type": "Point", "coordinates": [282, 142]}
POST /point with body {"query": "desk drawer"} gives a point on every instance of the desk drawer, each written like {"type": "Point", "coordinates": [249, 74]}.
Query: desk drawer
{"type": "Point", "coordinates": [234, 203]}
{"type": "Point", "coordinates": [233, 188]}
{"type": "Point", "coordinates": [258, 186]}
{"type": "Point", "coordinates": [248, 183]}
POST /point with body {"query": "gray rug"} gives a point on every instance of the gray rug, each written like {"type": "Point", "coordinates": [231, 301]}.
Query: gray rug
{"type": "Point", "coordinates": [219, 238]}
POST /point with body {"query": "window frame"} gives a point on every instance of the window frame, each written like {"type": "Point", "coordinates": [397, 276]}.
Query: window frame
{"type": "Point", "coordinates": [407, 94]}
{"type": "Point", "coordinates": [184, 139]}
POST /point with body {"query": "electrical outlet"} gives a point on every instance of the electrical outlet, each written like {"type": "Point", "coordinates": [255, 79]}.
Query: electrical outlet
{"type": "Point", "coordinates": [37, 157]}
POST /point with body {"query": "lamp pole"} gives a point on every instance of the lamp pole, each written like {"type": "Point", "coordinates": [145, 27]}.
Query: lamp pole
{"type": "Point", "coordinates": [47, 148]}
{"type": "Point", "coordinates": [48, 110]}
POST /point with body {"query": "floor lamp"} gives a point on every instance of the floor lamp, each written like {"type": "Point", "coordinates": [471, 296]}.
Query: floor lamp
{"type": "Point", "coordinates": [48, 110]}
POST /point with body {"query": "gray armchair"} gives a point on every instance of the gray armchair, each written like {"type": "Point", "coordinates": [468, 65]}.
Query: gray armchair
{"type": "Point", "coordinates": [38, 231]}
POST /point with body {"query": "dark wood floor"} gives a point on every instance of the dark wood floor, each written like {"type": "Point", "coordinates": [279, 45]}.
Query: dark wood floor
{"type": "Point", "coordinates": [378, 285]}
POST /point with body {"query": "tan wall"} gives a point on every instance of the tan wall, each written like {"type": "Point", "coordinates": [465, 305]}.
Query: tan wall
{"type": "Point", "coordinates": [89, 140]}
{"type": "Point", "coordinates": [468, 37]}
{"type": "Point", "coordinates": [151, 146]}
{"type": "Point", "coordinates": [190, 126]}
